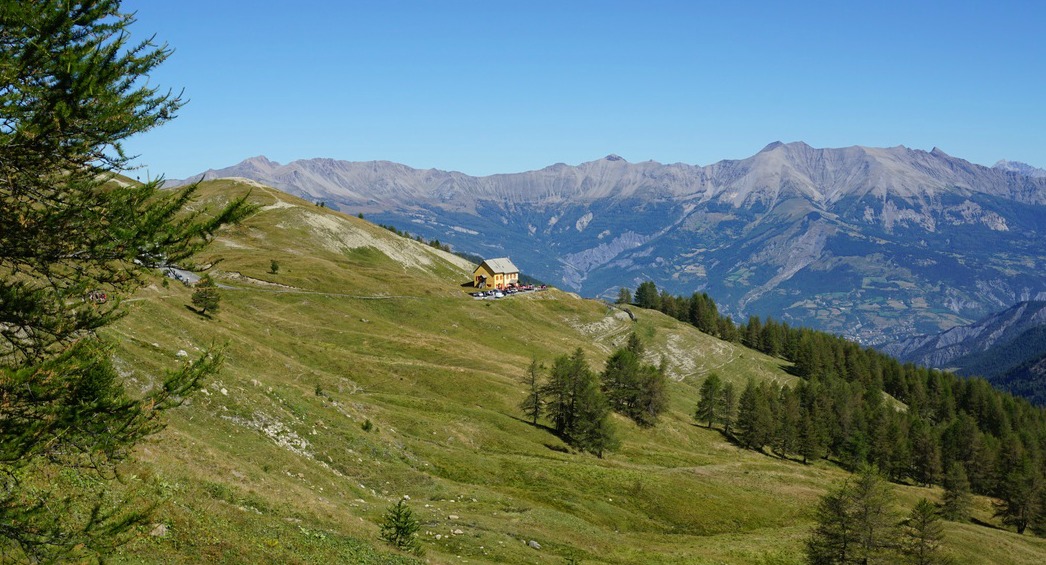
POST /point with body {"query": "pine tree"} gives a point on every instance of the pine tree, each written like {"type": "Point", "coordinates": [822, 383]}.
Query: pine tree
{"type": "Point", "coordinates": [755, 421]}
{"type": "Point", "coordinates": [399, 527]}
{"type": "Point", "coordinates": [533, 405]}
{"type": "Point", "coordinates": [874, 516]}
{"type": "Point", "coordinates": [74, 89]}
{"type": "Point", "coordinates": [812, 443]}
{"type": "Point", "coordinates": [578, 409]}
{"type": "Point", "coordinates": [834, 538]}
{"type": "Point", "coordinates": [652, 398]}
{"type": "Point", "coordinates": [855, 523]}
{"type": "Point", "coordinates": [206, 296]}
{"type": "Point", "coordinates": [1020, 495]}
{"type": "Point", "coordinates": [788, 423]}
{"type": "Point", "coordinates": [633, 388]}
{"type": "Point", "coordinates": [926, 453]}
{"type": "Point", "coordinates": [624, 296]}
{"type": "Point", "coordinates": [592, 430]}
{"type": "Point", "coordinates": [647, 296]}
{"type": "Point", "coordinates": [728, 407]}
{"type": "Point", "coordinates": [957, 498]}
{"type": "Point", "coordinates": [711, 397]}
{"type": "Point", "coordinates": [620, 379]}
{"type": "Point", "coordinates": [922, 536]}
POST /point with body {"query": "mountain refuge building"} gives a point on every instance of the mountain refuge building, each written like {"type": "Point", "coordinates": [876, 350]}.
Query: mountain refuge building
{"type": "Point", "coordinates": [495, 273]}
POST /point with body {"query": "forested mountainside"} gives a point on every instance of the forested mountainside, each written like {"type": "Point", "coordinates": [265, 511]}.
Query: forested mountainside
{"type": "Point", "coordinates": [872, 243]}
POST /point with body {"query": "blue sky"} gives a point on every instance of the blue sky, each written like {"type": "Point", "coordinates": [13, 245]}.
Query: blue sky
{"type": "Point", "coordinates": [490, 86]}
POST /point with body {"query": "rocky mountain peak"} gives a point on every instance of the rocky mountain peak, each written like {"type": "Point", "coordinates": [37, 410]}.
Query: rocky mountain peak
{"type": "Point", "coordinates": [1019, 168]}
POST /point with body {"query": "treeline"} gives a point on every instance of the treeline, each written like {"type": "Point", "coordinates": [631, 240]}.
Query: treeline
{"type": "Point", "coordinates": [578, 401]}
{"type": "Point", "coordinates": [435, 243]}
{"type": "Point", "coordinates": [840, 410]}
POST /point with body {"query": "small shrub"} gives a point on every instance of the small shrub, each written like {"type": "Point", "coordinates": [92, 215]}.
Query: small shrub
{"type": "Point", "coordinates": [367, 425]}
{"type": "Point", "coordinates": [399, 527]}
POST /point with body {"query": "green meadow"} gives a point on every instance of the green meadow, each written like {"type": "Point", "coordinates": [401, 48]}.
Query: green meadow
{"type": "Point", "coordinates": [361, 373]}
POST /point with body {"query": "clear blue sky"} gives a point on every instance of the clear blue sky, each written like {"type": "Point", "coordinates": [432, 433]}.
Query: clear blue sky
{"type": "Point", "coordinates": [495, 86]}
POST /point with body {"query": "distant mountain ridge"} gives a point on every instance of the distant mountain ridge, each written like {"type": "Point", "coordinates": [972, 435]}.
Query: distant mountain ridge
{"type": "Point", "coordinates": [1008, 348]}
{"type": "Point", "coordinates": [958, 348]}
{"type": "Point", "coordinates": [871, 243]}
{"type": "Point", "coordinates": [1020, 168]}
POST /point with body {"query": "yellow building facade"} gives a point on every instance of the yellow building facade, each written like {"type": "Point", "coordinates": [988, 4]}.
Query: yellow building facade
{"type": "Point", "coordinates": [495, 273]}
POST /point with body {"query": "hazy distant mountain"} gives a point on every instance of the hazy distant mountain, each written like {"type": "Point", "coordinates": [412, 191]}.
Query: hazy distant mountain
{"type": "Point", "coordinates": [872, 243]}
{"type": "Point", "coordinates": [1020, 168]}
{"type": "Point", "coordinates": [1008, 348]}
{"type": "Point", "coordinates": [988, 347]}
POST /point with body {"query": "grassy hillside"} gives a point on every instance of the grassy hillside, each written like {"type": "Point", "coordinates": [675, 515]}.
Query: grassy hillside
{"type": "Point", "coordinates": [271, 462]}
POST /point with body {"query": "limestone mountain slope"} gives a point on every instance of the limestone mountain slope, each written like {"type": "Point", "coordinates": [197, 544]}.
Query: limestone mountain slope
{"type": "Point", "coordinates": [872, 243]}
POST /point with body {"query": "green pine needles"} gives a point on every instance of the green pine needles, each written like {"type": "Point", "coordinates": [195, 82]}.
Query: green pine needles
{"type": "Point", "coordinates": [399, 527]}
{"type": "Point", "coordinates": [76, 239]}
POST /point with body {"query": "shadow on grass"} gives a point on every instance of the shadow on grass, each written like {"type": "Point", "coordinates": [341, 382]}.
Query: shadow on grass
{"type": "Point", "coordinates": [539, 426]}
{"type": "Point", "coordinates": [736, 442]}
{"type": "Point", "coordinates": [549, 429]}
{"type": "Point", "coordinates": [984, 524]}
{"type": "Point", "coordinates": [200, 313]}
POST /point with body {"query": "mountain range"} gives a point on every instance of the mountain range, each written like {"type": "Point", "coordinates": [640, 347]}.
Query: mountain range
{"type": "Point", "coordinates": [875, 244]}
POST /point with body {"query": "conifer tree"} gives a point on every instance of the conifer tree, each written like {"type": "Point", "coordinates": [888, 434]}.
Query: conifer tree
{"type": "Point", "coordinates": [578, 409]}
{"type": "Point", "coordinates": [755, 420]}
{"type": "Point", "coordinates": [957, 498]}
{"type": "Point", "coordinates": [711, 397]}
{"type": "Point", "coordinates": [533, 405]}
{"type": "Point", "coordinates": [922, 536]}
{"type": "Point", "coordinates": [788, 421]}
{"type": "Point", "coordinates": [652, 398]}
{"type": "Point", "coordinates": [624, 296]}
{"type": "Point", "coordinates": [647, 296]}
{"type": "Point", "coordinates": [1020, 495]}
{"type": "Point", "coordinates": [856, 523]}
{"type": "Point", "coordinates": [399, 527]}
{"type": "Point", "coordinates": [633, 388]}
{"type": "Point", "coordinates": [728, 407]}
{"type": "Point", "coordinates": [834, 538]}
{"type": "Point", "coordinates": [206, 296]}
{"type": "Point", "coordinates": [812, 443]}
{"type": "Point", "coordinates": [74, 89]}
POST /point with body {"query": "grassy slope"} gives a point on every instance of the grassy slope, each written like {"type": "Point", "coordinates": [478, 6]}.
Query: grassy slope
{"type": "Point", "coordinates": [270, 463]}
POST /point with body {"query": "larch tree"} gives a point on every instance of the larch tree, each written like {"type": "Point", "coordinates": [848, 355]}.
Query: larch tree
{"type": "Point", "coordinates": [709, 405]}
{"type": "Point", "coordinates": [922, 536]}
{"type": "Point", "coordinates": [728, 407]}
{"type": "Point", "coordinates": [955, 505]}
{"type": "Point", "coordinates": [533, 405]}
{"type": "Point", "coordinates": [74, 88]}
{"type": "Point", "coordinates": [206, 296]}
{"type": "Point", "coordinates": [856, 523]}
